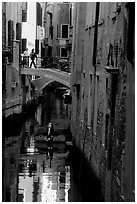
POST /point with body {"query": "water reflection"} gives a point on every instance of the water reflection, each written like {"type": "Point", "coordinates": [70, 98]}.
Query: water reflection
{"type": "Point", "coordinates": [38, 114]}
{"type": "Point", "coordinates": [42, 179]}
{"type": "Point", "coordinates": [34, 175]}
{"type": "Point", "coordinates": [31, 171]}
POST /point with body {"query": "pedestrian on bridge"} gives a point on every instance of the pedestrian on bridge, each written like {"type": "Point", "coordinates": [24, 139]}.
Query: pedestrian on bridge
{"type": "Point", "coordinates": [25, 58]}
{"type": "Point", "coordinates": [33, 56]}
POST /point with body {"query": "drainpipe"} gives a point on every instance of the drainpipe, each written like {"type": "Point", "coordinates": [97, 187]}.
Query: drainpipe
{"type": "Point", "coordinates": [36, 32]}
{"type": "Point", "coordinates": [96, 35]}
{"type": "Point", "coordinates": [94, 56]}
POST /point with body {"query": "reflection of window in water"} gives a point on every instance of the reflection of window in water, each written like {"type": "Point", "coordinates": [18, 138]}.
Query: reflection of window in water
{"type": "Point", "coordinates": [7, 194]}
{"type": "Point", "coordinates": [27, 127]}
{"type": "Point", "coordinates": [62, 177]}
{"type": "Point", "coordinates": [57, 107]}
{"type": "Point", "coordinates": [38, 114]}
{"type": "Point", "coordinates": [32, 168]}
{"type": "Point", "coordinates": [21, 195]}
{"type": "Point", "coordinates": [32, 127]}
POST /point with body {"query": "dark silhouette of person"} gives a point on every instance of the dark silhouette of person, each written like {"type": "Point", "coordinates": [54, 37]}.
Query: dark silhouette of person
{"type": "Point", "coordinates": [50, 133]}
{"type": "Point", "coordinates": [32, 57]}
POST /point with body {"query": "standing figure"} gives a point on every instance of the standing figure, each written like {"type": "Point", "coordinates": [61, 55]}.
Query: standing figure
{"type": "Point", "coordinates": [50, 134]}
{"type": "Point", "coordinates": [25, 57]}
{"type": "Point", "coordinates": [32, 57]}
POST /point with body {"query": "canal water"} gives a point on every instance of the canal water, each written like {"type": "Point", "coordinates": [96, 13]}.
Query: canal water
{"type": "Point", "coordinates": [33, 173]}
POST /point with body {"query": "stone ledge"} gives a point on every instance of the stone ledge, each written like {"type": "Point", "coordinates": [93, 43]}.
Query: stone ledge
{"type": "Point", "coordinates": [12, 102]}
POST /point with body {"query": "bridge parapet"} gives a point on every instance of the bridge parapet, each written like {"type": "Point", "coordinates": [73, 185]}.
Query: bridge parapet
{"type": "Point", "coordinates": [53, 74]}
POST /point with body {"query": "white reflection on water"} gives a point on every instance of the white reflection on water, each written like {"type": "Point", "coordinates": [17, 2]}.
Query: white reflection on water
{"type": "Point", "coordinates": [40, 183]}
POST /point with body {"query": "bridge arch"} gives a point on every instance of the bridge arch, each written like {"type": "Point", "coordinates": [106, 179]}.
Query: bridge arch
{"type": "Point", "coordinates": [42, 85]}
{"type": "Point", "coordinates": [51, 74]}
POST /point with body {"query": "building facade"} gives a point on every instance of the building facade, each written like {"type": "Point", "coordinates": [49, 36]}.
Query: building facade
{"type": "Point", "coordinates": [102, 79]}
{"type": "Point", "coordinates": [32, 30]}
{"type": "Point", "coordinates": [11, 49]}
{"type": "Point", "coordinates": [21, 29]}
{"type": "Point", "coordinates": [57, 34]}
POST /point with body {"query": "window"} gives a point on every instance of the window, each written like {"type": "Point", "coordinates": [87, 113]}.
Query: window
{"type": "Point", "coordinates": [82, 95]}
{"type": "Point", "coordinates": [3, 81]}
{"type": "Point", "coordinates": [49, 52]}
{"type": "Point", "coordinates": [70, 16]}
{"type": "Point", "coordinates": [24, 15]}
{"type": "Point", "coordinates": [95, 114]}
{"type": "Point", "coordinates": [51, 31]}
{"type": "Point", "coordinates": [57, 32]}
{"type": "Point", "coordinates": [39, 15]}
{"type": "Point", "coordinates": [18, 31]}
{"type": "Point", "coordinates": [78, 91]}
{"type": "Point", "coordinates": [24, 11]}
{"type": "Point", "coordinates": [90, 103]}
{"type": "Point", "coordinates": [24, 44]}
{"type": "Point", "coordinates": [131, 32]}
{"type": "Point", "coordinates": [64, 31]}
{"type": "Point", "coordinates": [10, 38]}
{"type": "Point", "coordinates": [63, 52]}
{"type": "Point", "coordinates": [37, 46]}
{"type": "Point", "coordinates": [106, 130]}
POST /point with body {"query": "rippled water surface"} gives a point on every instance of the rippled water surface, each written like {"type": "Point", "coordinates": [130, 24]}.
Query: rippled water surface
{"type": "Point", "coordinates": [32, 172]}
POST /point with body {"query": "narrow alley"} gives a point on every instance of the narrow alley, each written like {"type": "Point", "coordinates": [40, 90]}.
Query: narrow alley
{"type": "Point", "coordinates": [68, 101]}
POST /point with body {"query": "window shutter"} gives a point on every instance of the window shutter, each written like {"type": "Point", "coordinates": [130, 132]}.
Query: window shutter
{"type": "Point", "coordinates": [18, 31]}
{"type": "Point", "coordinates": [37, 46]}
{"type": "Point", "coordinates": [24, 43]}
{"type": "Point", "coordinates": [10, 38]}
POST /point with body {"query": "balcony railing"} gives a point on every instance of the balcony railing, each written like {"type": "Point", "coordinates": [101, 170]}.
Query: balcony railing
{"type": "Point", "coordinates": [50, 62]}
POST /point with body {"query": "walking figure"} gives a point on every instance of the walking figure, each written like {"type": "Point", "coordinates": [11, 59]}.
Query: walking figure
{"type": "Point", "coordinates": [32, 57]}
{"type": "Point", "coordinates": [25, 57]}
{"type": "Point", "coordinates": [50, 134]}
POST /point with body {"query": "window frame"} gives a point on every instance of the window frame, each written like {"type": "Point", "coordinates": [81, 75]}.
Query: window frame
{"type": "Point", "coordinates": [60, 53]}
{"type": "Point", "coordinates": [68, 31]}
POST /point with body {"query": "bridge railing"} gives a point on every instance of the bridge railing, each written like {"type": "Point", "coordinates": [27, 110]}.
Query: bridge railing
{"type": "Point", "coordinates": [57, 63]}
{"type": "Point", "coordinates": [50, 62]}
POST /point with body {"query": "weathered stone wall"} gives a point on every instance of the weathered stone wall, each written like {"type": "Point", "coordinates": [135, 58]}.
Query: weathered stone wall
{"type": "Point", "coordinates": [99, 116]}
{"type": "Point", "coordinates": [11, 45]}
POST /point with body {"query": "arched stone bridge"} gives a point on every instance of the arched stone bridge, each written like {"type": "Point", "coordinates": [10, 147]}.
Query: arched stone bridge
{"type": "Point", "coordinates": [47, 76]}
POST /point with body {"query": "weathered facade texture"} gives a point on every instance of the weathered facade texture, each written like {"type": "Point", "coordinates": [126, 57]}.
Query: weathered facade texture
{"type": "Point", "coordinates": [102, 78]}
{"type": "Point", "coordinates": [11, 48]}
{"type": "Point", "coordinates": [57, 33]}
{"type": "Point", "coordinates": [21, 29]}
{"type": "Point", "coordinates": [32, 28]}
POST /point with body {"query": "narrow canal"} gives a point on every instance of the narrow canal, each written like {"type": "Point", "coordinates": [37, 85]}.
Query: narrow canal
{"type": "Point", "coordinates": [33, 173]}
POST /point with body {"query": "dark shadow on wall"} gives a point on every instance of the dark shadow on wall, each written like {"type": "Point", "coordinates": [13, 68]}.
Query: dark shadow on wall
{"type": "Point", "coordinates": [84, 179]}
